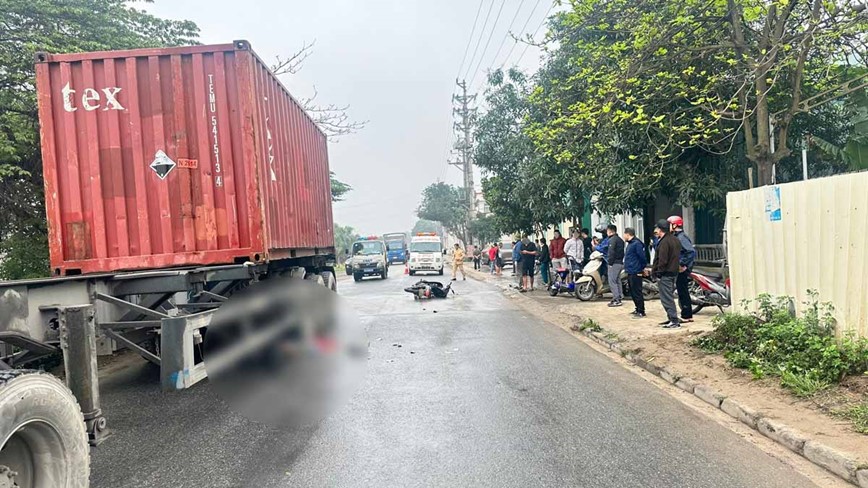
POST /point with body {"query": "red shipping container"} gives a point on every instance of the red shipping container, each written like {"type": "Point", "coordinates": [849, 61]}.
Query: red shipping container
{"type": "Point", "coordinates": [197, 155]}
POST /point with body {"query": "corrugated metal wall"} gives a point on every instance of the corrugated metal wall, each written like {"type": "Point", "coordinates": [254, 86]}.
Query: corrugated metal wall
{"type": "Point", "coordinates": [817, 241]}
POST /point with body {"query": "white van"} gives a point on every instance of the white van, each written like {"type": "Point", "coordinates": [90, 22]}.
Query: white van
{"type": "Point", "coordinates": [426, 253]}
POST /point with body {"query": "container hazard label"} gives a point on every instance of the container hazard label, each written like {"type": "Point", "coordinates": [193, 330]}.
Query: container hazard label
{"type": "Point", "coordinates": [188, 163]}
{"type": "Point", "coordinates": [162, 165]}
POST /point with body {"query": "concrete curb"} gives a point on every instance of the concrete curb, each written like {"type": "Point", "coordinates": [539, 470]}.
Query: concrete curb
{"type": "Point", "coordinates": [836, 462]}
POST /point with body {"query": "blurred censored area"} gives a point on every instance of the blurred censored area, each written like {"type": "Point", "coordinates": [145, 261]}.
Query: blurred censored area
{"type": "Point", "coordinates": [285, 352]}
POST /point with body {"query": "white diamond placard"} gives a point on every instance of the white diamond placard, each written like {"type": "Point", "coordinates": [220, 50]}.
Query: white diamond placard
{"type": "Point", "coordinates": [162, 165]}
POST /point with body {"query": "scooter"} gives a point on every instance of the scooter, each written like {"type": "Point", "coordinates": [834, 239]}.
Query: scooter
{"type": "Point", "coordinates": [708, 291]}
{"type": "Point", "coordinates": [561, 283]}
{"type": "Point", "coordinates": [593, 283]}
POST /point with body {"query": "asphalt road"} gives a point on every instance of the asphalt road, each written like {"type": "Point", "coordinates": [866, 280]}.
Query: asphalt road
{"type": "Point", "coordinates": [478, 394]}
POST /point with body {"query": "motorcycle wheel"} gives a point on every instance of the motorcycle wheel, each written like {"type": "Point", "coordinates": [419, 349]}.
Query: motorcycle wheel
{"type": "Point", "coordinates": [586, 291]}
{"type": "Point", "coordinates": [554, 289]}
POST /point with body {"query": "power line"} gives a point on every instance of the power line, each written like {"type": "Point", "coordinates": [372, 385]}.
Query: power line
{"type": "Point", "coordinates": [470, 39]}
{"type": "Point", "coordinates": [522, 31]}
{"type": "Point", "coordinates": [487, 43]}
{"type": "Point", "coordinates": [535, 33]}
{"type": "Point", "coordinates": [508, 29]}
{"type": "Point", "coordinates": [481, 34]}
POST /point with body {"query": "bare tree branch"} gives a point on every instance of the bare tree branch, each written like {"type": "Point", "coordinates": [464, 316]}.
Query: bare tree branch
{"type": "Point", "coordinates": [332, 119]}
{"type": "Point", "coordinates": [293, 64]}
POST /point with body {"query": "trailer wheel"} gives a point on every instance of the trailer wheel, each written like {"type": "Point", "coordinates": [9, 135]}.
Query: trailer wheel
{"type": "Point", "coordinates": [329, 280]}
{"type": "Point", "coordinates": [318, 279]}
{"type": "Point", "coordinates": [44, 442]}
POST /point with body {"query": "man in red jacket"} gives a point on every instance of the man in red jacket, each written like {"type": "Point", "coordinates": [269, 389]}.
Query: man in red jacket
{"type": "Point", "coordinates": [556, 250]}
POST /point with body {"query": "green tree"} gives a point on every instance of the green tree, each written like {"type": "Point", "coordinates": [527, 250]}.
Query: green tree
{"type": "Point", "coordinates": [339, 188]}
{"type": "Point", "coordinates": [484, 229]}
{"type": "Point", "coordinates": [639, 91]}
{"type": "Point", "coordinates": [29, 26]}
{"type": "Point", "coordinates": [344, 237]}
{"type": "Point", "coordinates": [854, 150]}
{"type": "Point", "coordinates": [444, 203]}
{"type": "Point", "coordinates": [525, 188]}
{"type": "Point", "coordinates": [423, 225]}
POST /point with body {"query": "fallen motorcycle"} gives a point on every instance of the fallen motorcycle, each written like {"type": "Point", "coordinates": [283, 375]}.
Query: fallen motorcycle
{"type": "Point", "coordinates": [424, 289]}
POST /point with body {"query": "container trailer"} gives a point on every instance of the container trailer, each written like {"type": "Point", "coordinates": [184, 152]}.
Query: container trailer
{"type": "Point", "coordinates": [173, 177]}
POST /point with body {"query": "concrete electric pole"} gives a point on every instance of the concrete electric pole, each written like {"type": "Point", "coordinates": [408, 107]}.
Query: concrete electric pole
{"type": "Point", "coordinates": [464, 145]}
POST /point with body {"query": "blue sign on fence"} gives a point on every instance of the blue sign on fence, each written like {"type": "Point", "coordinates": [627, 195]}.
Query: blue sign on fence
{"type": "Point", "coordinates": [773, 203]}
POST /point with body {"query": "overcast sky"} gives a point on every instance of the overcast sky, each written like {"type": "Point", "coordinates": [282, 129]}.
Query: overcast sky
{"type": "Point", "coordinates": [395, 63]}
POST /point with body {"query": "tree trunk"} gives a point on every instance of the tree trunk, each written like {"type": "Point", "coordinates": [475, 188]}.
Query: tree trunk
{"type": "Point", "coordinates": [764, 172]}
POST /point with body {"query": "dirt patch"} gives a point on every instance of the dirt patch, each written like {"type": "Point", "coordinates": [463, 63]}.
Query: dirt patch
{"type": "Point", "coordinates": [815, 416]}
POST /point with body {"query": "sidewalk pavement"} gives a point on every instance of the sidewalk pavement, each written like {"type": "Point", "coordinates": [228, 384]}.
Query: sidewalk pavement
{"type": "Point", "coordinates": [802, 425]}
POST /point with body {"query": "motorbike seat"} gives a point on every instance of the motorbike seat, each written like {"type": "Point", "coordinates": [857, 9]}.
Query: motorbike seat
{"type": "Point", "coordinates": [561, 270]}
{"type": "Point", "coordinates": [709, 274]}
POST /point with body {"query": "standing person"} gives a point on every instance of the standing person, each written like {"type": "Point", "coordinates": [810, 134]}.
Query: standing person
{"type": "Point", "coordinates": [516, 258]}
{"type": "Point", "coordinates": [634, 265]}
{"type": "Point", "coordinates": [575, 250]}
{"type": "Point", "coordinates": [586, 241]}
{"type": "Point", "coordinates": [492, 257]}
{"type": "Point", "coordinates": [666, 269]}
{"type": "Point", "coordinates": [458, 262]}
{"type": "Point", "coordinates": [686, 259]}
{"type": "Point", "coordinates": [528, 257]}
{"type": "Point", "coordinates": [545, 261]}
{"type": "Point", "coordinates": [499, 258]}
{"type": "Point", "coordinates": [477, 258]}
{"type": "Point", "coordinates": [616, 264]}
{"type": "Point", "coordinates": [556, 252]}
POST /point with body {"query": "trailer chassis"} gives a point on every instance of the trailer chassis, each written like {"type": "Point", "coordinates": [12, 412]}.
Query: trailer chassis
{"type": "Point", "coordinates": [159, 315]}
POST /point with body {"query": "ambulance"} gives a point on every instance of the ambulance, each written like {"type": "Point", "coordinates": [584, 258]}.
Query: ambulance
{"type": "Point", "coordinates": [426, 253]}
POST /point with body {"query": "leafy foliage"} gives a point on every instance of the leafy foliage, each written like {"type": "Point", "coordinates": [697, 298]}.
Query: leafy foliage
{"type": "Point", "coordinates": [29, 26]}
{"type": "Point", "coordinates": [444, 203]}
{"type": "Point", "coordinates": [484, 229]}
{"type": "Point", "coordinates": [344, 237]}
{"type": "Point", "coordinates": [804, 350]}
{"type": "Point", "coordinates": [854, 151]}
{"type": "Point", "coordinates": [678, 95]}
{"type": "Point", "coordinates": [423, 225]}
{"type": "Point", "coordinates": [339, 188]}
{"type": "Point", "coordinates": [524, 188]}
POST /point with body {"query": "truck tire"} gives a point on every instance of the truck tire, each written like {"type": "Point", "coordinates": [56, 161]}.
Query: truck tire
{"type": "Point", "coordinates": [329, 280]}
{"type": "Point", "coordinates": [357, 277]}
{"type": "Point", "coordinates": [440, 272]}
{"type": "Point", "coordinates": [44, 442]}
{"type": "Point", "coordinates": [315, 278]}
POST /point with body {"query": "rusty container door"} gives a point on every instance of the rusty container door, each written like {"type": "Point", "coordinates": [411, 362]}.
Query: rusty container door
{"type": "Point", "coordinates": [149, 158]}
{"type": "Point", "coordinates": [293, 173]}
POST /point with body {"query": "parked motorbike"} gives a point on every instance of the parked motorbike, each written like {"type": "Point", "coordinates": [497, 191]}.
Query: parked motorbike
{"type": "Point", "coordinates": [709, 291]}
{"type": "Point", "coordinates": [592, 283]}
{"type": "Point", "coordinates": [562, 283]}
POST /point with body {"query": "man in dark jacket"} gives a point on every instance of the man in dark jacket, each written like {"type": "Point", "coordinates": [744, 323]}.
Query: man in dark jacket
{"type": "Point", "coordinates": [545, 261]}
{"type": "Point", "coordinates": [586, 240]}
{"type": "Point", "coordinates": [685, 267]}
{"type": "Point", "coordinates": [666, 269]}
{"type": "Point", "coordinates": [615, 259]}
{"type": "Point", "coordinates": [634, 264]}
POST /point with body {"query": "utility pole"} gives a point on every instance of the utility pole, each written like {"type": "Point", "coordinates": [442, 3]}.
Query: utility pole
{"type": "Point", "coordinates": [464, 145]}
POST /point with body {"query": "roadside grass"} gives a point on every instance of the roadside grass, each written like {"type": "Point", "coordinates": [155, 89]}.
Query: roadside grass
{"type": "Point", "coordinates": [803, 352]}
{"type": "Point", "coordinates": [801, 385]}
{"type": "Point", "coordinates": [857, 414]}
{"type": "Point", "coordinates": [590, 324]}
